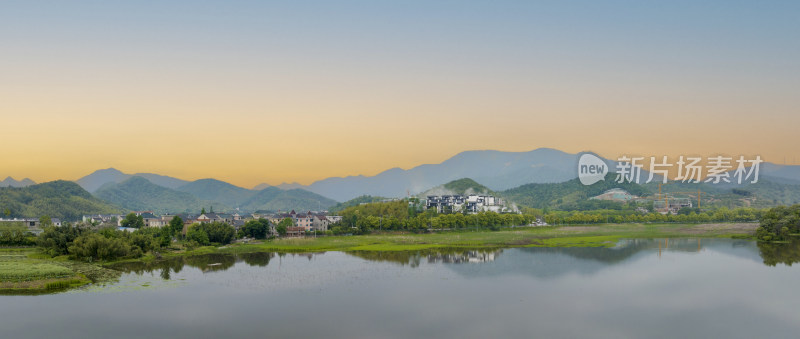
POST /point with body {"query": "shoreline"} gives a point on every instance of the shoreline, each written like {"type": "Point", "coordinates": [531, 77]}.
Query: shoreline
{"type": "Point", "coordinates": [589, 235]}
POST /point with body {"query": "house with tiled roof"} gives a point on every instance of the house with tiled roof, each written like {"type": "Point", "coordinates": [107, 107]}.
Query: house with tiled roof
{"type": "Point", "coordinates": [209, 217]}
{"type": "Point", "coordinates": [151, 220]}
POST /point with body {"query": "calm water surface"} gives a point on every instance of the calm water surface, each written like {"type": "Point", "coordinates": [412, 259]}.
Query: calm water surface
{"type": "Point", "coordinates": [640, 288]}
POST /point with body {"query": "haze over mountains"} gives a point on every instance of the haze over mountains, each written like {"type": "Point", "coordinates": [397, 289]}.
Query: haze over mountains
{"type": "Point", "coordinates": [140, 193]}
{"type": "Point", "coordinates": [11, 182]}
{"type": "Point", "coordinates": [94, 181]}
{"type": "Point", "coordinates": [495, 170]}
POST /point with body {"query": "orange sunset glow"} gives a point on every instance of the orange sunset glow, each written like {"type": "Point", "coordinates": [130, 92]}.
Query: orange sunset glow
{"type": "Point", "coordinates": [301, 94]}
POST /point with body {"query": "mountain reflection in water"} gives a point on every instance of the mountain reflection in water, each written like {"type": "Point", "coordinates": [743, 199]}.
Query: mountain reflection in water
{"type": "Point", "coordinates": [537, 261]}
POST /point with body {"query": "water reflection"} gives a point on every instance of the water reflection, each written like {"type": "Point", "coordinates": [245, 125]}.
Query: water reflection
{"type": "Point", "coordinates": [537, 261]}
{"type": "Point", "coordinates": [782, 253]}
{"type": "Point", "coordinates": [443, 255]}
{"type": "Point", "coordinates": [206, 263]}
{"type": "Point", "coordinates": [637, 288]}
{"type": "Point", "coordinates": [623, 250]}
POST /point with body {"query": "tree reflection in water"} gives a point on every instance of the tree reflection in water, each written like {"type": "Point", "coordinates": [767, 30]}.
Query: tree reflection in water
{"type": "Point", "coordinates": [772, 254]}
{"type": "Point", "coordinates": [207, 263]}
{"type": "Point", "coordinates": [780, 253]}
{"type": "Point", "coordinates": [444, 255]}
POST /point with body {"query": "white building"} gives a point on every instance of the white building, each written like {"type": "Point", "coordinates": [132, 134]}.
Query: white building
{"type": "Point", "coordinates": [472, 203]}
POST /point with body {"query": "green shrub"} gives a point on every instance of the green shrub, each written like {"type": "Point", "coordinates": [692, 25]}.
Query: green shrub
{"type": "Point", "coordinates": [94, 246]}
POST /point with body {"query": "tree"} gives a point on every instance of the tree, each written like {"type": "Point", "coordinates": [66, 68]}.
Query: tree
{"type": "Point", "coordinates": [176, 226]}
{"type": "Point", "coordinates": [283, 226]}
{"type": "Point", "coordinates": [214, 232]}
{"type": "Point", "coordinates": [93, 246]}
{"type": "Point", "coordinates": [203, 211]}
{"type": "Point", "coordinates": [45, 221]}
{"type": "Point", "coordinates": [132, 220]}
{"type": "Point", "coordinates": [7, 212]}
{"type": "Point", "coordinates": [257, 229]}
{"type": "Point", "coordinates": [166, 237]}
{"type": "Point", "coordinates": [198, 235]}
{"type": "Point", "coordinates": [56, 240]}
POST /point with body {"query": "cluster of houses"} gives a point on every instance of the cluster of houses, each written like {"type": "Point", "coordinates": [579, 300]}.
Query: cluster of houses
{"type": "Point", "coordinates": [472, 203]}
{"type": "Point", "coordinates": [34, 225]}
{"type": "Point", "coordinates": [303, 222]}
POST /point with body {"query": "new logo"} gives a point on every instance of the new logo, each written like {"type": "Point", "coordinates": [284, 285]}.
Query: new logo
{"type": "Point", "coordinates": [591, 169]}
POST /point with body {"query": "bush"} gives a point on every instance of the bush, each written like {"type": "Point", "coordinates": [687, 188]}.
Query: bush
{"type": "Point", "coordinates": [217, 232]}
{"type": "Point", "coordinates": [198, 236]}
{"type": "Point", "coordinates": [56, 240]}
{"type": "Point", "coordinates": [16, 238]}
{"type": "Point", "coordinates": [258, 229]}
{"type": "Point", "coordinates": [778, 223]}
{"type": "Point", "coordinates": [94, 246]}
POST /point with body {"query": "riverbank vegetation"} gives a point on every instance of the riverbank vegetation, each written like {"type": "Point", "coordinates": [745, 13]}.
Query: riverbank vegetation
{"type": "Point", "coordinates": [81, 249]}
{"type": "Point", "coordinates": [779, 223]}
{"type": "Point", "coordinates": [588, 235]}
{"type": "Point", "coordinates": [21, 274]}
{"type": "Point", "coordinates": [400, 215]}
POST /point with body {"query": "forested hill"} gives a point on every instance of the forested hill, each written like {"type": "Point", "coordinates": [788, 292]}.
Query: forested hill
{"type": "Point", "coordinates": [562, 195]}
{"type": "Point", "coordinates": [61, 199]}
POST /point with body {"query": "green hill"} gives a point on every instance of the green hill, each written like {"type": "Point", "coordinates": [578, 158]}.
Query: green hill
{"type": "Point", "coordinates": [572, 195]}
{"type": "Point", "coordinates": [464, 186]}
{"type": "Point", "coordinates": [140, 194]}
{"type": "Point", "coordinates": [364, 199]}
{"type": "Point", "coordinates": [61, 199]}
{"type": "Point", "coordinates": [566, 195]}
{"type": "Point", "coordinates": [765, 193]}
{"type": "Point", "coordinates": [218, 191]}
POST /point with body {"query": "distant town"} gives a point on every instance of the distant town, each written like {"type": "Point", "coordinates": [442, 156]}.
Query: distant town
{"type": "Point", "coordinates": [302, 223]}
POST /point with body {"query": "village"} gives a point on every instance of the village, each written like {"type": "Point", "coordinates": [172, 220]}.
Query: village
{"type": "Point", "coordinates": [303, 223]}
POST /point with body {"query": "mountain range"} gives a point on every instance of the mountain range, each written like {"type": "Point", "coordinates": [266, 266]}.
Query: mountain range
{"type": "Point", "coordinates": [140, 193]}
{"type": "Point", "coordinates": [498, 171]}
{"type": "Point", "coordinates": [11, 182]}
{"type": "Point", "coordinates": [97, 179]}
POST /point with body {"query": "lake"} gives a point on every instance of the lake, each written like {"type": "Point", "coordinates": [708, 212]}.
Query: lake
{"type": "Point", "coordinates": [639, 288]}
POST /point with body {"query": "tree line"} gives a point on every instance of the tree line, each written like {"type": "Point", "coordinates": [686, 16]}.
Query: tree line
{"type": "Point", "coordinates": [779, 223]}
{"type": "Point", "coordinates": [399, 215]}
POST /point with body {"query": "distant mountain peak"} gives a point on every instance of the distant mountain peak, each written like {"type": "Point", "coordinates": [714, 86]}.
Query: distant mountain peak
{"type": "Point", "coordinates": [11, 182]}
{"type": "Point", "coordinates": [101, 177]}
{"type": "Point", "coordinates": [497, 170]}
{"type": "Point", "coordinates": [108, 170]}
{"type": "Point", "coordinates": [292, 185]}
{"type": "Point", "coordinates": [98, 178]}
{"type": "Point", "coordinates": [261, 186]}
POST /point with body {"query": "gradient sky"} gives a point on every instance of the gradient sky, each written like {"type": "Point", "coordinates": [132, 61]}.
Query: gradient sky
{"type": "Point", "coordinates": [257, 91]}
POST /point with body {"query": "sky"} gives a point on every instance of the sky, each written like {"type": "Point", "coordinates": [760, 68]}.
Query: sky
{"type": "Point", "coordinates": [297, 91]}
